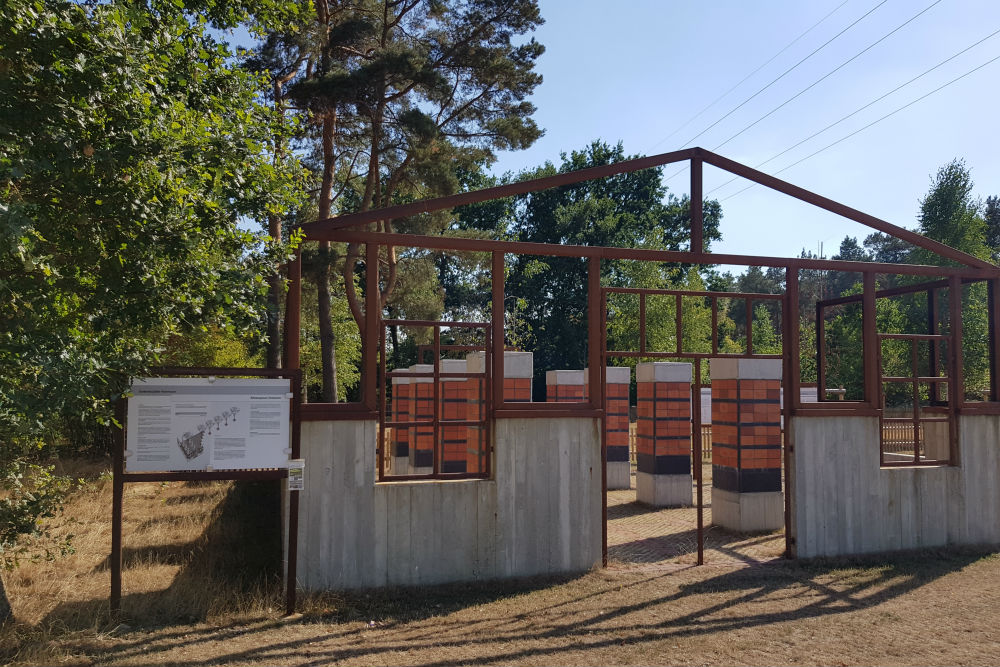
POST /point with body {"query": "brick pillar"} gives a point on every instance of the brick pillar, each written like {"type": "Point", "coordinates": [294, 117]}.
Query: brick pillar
{"type": "Point", "coordinates": [617, 379]}
{"type": "Point", "coordinates": [422, 409]}
{"type": "Point", "coordinates": [454, 397]}
{"type": "Point", "coordinates": [746, 444]}
{"type": "Point", "coordinates": [400, 454]}
{"type": "Point", "coordinates": [564, 386]}
{"type": "Point", "coordinates": [663, 434]}
{"type": "Point", "coordinates": [518, 370]}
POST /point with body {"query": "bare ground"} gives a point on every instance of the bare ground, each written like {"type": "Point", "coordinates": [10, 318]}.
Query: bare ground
{"type": "Point", "coordinates": [198, 593]}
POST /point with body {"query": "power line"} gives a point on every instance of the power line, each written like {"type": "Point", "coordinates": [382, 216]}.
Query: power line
{"type": "Point", "coordinates": [775, 80]}
{"type": "Point", "coordinates": [874, 122]}
{"type": "Point", "coordinates": [833, 71]}
{"type": "Point", "coordinates": [744, 79]}
{"type": "Point", "coordinates": [861, 108]}
{"type": "Point", "coordinates": [785, 73]}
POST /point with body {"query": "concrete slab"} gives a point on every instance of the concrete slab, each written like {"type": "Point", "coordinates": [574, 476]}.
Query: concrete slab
{"type": "Point", "coordinates": [663, 371]}
{"type": "Point", "coordinates": [748, 512]}
{"type": "Point", "coordinates": [619, 475]}
{"type": "Point", "coordinates": [663, 490]}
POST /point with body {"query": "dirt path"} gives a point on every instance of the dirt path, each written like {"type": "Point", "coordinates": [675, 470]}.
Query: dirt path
{"type": "Point", "coordinates": [924, 609]}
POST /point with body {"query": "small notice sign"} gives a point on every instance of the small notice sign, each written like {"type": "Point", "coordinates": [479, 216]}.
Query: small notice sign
{"type": "Point", "coordinates": [296, 474]}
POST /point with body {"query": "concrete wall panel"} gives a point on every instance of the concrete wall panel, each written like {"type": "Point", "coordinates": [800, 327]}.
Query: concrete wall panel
{"type": "Point", "coordinates": [846, 504]}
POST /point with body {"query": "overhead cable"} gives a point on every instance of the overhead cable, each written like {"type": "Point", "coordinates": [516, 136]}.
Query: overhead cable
{"type": "Point", "coordinates": [861, 108]}
{"type": "Point", "coordinates": [744, 79]}
{"type": "Point", "coordinates": [874, 122]}
{"type": "Point", "coordinates": [831, 72]}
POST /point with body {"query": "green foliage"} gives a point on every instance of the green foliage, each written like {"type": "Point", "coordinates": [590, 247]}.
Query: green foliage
{"type": "Point", "coordinates": [130, 148]}
{"type": "Point", "coordinates": [29, 493]}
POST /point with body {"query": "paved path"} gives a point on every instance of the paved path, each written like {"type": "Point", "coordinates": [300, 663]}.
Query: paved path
{"type": "Point", "coordinates": [643, 537]}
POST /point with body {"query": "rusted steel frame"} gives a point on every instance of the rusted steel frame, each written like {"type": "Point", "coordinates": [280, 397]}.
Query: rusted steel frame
{"type": "Point", "coordinates": [312, 412]}
{"type": "Point", "coordinates": [715, 325]}
{"type": "Point", "coordinates": [956, 385]}
{"type": "Point", "coordinates": [756, 296]}
{"type": "Point", "coordinates": [381, 444]}
{"type": "Point", "coordinates": [909, 378]}
{"type": "Point", "coordinates": [594, 337]}
{"type": "Point", "coordinates": [291, 573]}
{"type": "Point", "coordinates": [438, 453]}
{"type": "Point", "coordinates": [604, 421]}
{"type": "Point", "coordinates": [498, 192]}
{"type": "Point", "coordinates": [697, 460]}
{"type": "Point", "coordinates": [547, 411]}
{"type": "Point", "coordinates": [933, 360]}
{"type": "Point", "coordinates": [642, 321]}
{"type": "Point", "coordinates": [993, 307]}
{"type": "Point", "coordinates": [202, 476]}
{"type": "Point", "coordinates": [373, 316]}
{"type": "Point", "coordinates": [915, 389]}
{"type": "Point", "coordinates": [497, 315]}
{"type": "Point", "coordinates": [910, 464]}
{"type": "Point", "coordinates": [222, 372]}
{"type": "Point", "coordinates": [436, 323]}
{"type": "Point", "coordinates": [842, 409]}
{"type": "Point", "coordinates": [644, 254]}
{"type": "Point", "coordinates": [293, 311]}
{"type": "Point", "coordinates": [678, 322]}
{"type": "Point", "coordinates": [691, 355]}
{"type": "Point", "coordinates": [430, 422]}
{"type": "Point", "coordinates": [749, 315]}
{"type": "Point", "coordinates": [120, 477]}
{"type": "Point", "coordinates": [909, 336]}
{"type": "Point", "coordinates": [820, 353]}
{"type": "Point", "coordinates": [842, 210]}
{"type": "Point", "coordinates": [869, 342]}
{"type": "Point", "coordinates": [697, 222]}
{"type": "Point", "coordinates": [904, 289]}
{"type": "Point", "coordinates": [442, 475]}
{"type": "Point", "coordinates": [486, 408]}
{"type": "Point", "coordinates": [399, 373]}
{"type": "Point", "coordinates": [790, 385]}
{"type": "Point", "coordinates": [117, 499]}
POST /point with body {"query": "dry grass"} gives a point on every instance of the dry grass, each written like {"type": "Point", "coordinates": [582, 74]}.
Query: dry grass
{"type": "Point", "coordinates": [199, 593]}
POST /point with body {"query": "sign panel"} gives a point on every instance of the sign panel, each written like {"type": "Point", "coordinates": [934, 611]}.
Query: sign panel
{"type": "Point", "coordinates": [207, 424]}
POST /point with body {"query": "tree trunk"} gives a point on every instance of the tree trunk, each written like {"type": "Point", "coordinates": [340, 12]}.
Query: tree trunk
{"type": "Point", "coordinates": [6, 613]}
{"type": "Point", "coordinates": [274, 303]}
{"type": "Point", "coordinates": [327, 337]}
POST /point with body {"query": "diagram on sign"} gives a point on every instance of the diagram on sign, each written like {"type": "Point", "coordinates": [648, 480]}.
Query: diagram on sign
{"type": "Point", "coordinates": [192, 444]}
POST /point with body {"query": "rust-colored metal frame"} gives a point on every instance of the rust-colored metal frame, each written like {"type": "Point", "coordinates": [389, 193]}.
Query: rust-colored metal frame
{"type": "Point", "coordinates": [120, 477]}
{"type": "Point", "coordinates": [679, 353]}
{"type": "Point", "coordinates": [437, 422]}
{"type": "Point", "coordinates": [351, 228]}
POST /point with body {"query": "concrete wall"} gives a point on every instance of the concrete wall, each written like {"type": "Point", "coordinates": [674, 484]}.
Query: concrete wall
{"type": "Point", "coordinates": [844, 503]}
{"type": "Point", "coordinates": [540, 514]}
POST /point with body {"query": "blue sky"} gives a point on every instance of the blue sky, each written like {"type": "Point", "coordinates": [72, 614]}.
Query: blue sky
{"type": "Point", "coordinates": [637, 70]}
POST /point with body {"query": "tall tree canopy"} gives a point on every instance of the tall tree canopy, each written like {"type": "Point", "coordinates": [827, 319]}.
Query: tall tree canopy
{"type": "Point", "coordinates": [403, 96]}
{"type": "Point", "coordinates": [131, 148]}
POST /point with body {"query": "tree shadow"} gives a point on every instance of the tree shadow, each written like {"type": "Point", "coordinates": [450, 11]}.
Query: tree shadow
{"type": "Point", "coordinates": [836, 588]}
{"type": "Point", "coordinates": [238, 553]}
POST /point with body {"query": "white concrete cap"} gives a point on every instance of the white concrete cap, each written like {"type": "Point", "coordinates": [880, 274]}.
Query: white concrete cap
{"type": "Point", "coordinates": [515, 364]}
{"type": "Point", "coordinates": [422, 368]}
{"type": "Point", "coordinates": [573, 378]}
{"type": "Point", "coordinates": [401, 380]}
{"type": "Point", "coordinates": [663, 371]}
{"type": "Point", "coordinates": [745, 369]}
{"type": "Point", "coordinates": [518, 364]}
{"type": "Point", "coordinates": [454, 366]}
{"type": "Point", "coordinates": [614, 374]}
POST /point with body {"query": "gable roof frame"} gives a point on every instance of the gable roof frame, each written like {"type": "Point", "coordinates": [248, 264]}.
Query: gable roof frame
{"type": "Point", "coordinates": [344, 227]}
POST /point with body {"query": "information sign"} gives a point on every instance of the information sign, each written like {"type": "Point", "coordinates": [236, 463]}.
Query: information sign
{"type": "Point", "coordinates": [207, 424]}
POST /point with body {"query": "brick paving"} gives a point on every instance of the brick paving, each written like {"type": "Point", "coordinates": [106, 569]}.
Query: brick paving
{"type": "Point", "coordinates": [644, 537]}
